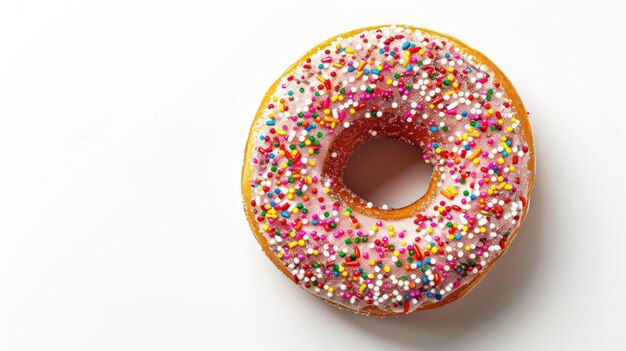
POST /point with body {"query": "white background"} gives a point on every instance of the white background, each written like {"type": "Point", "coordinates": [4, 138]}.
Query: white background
{"type": "Point", "coordinates": [123, 129]}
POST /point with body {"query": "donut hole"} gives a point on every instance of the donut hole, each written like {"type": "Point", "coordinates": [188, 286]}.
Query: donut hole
{"type": "Point", "coordinates": [389, 173]}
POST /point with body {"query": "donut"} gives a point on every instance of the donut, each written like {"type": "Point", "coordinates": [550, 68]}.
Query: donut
{"type": "Point", "coordinates": [427, 89]}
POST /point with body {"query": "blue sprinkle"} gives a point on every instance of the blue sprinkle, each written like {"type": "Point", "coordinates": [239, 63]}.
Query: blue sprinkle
{"type": "Point", "coordinates": [270, 195]}
{"type": "Point", "coordinates": [434, 128]}
{"type": "Point", "coordinates": [351, 68]}
{"type": "Point", "coordinates": [429, 295]}
{"type": "Point", "coordinates": [406, 45]}
{"type": "Point", "coordinates": [290, 92]}
{"type": "Point", "coordinates": [375, 71]}
{"type": "Point", "coordinates": [382, 51]}
{"type": "Point", "coordinates": [272, 204]}
{"type": "Point", "coordinates": [419, 264]}
{"type": "Point", "coordinates": [472, 197]}
{"type": "Point", "coordinates": [464, 113]}
{"type": "Point", "coordinates": [448, 55]}
{"type": "Point", "coordinates": [425, 280]}
{"type": "Point", "coordinates": [272, 155]}
{"type": "Point", "coordinates": [439, 297]}
{"type": "Point", "coordinates": [320, 66]}
{"type": "Point", "coordinates": [366, 71]}
{"type": "Point", "coordinates": [314, 222]}
{"type": "Point", "coordinates": [285, 214]}
{"type": "Point", "coordinates": [336, 274]}
{"type": "Point", "coordinates": [467, 147]}
{"type": "Point", "coordinates": [277, 191]}
{"type": "Point", "coordinates": [505, 154]}
{"type": "Point", "coordinates": [508, 143]}
{"type": "Point", "coordinates": [427, 260]}
{"type": "Point", "coordinates": [262, 137]}
{"type": "Point", "coordinates": [407, 297]}
{"type": "Point", "coordinates": [270, 122]}
{"type": "Point", "coordinates": [409, 67]}
{"type": "Point", "coordinates": [457, 237]}
{"type": "Point", "coordinates": [435, 145]}
{"type": "Point", "coordinates": [392, 53]}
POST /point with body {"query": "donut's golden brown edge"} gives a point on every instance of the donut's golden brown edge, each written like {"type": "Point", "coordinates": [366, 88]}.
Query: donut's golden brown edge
{"type": "Point", "coordinates": [516, 105]}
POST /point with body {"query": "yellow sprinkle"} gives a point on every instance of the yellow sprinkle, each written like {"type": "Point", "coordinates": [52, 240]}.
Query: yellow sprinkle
{"type": "Point", "coordinates": [361, 65]}
{"type": "Point", "coordinates": [396, 253]}
{"type": "Point", "coordinates": [293, 244]}
{"type": "Point", "coordinates": [350, 50]}
{"type": "Point", "coordinates": [359, 75]}
{"type": "Point", "coordinates": [372, 263]}
{"type": "Point", "coordinates": [506, 147]}
{"type": "Point", "coordinates": [337, 65]}
{"type": "Point", "coordinates": [320, 78]}
{"type": "Point", "coordinates": [363, 286]}
{"type": "Point", "coordinates": [387, 269]}
{"type": "Point", "coordinates": [500, 160]}
{"type": "Point", "coordinates": [475, 154]}
{"type": "Point", "coordinates": [331, 289]}
{"type": "Point", "coordinates": [452, 190]}
{"type": "Point", "coordinates": [281, 132]}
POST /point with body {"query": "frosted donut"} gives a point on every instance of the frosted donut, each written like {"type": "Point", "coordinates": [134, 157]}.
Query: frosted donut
{"type": "Point", "coordinates": [412, 84]}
